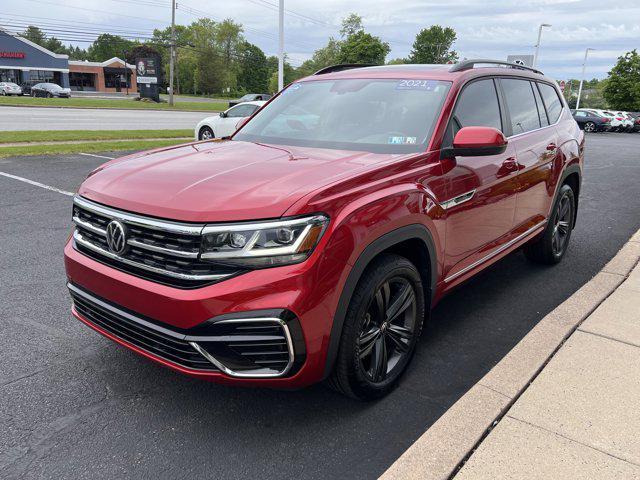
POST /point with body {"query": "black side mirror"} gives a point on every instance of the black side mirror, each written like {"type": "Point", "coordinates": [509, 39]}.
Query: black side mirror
{"type": "Point", "coordinates": [223, 115]}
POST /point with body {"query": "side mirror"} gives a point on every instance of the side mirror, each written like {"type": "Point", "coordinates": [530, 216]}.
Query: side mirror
{"type": "Point", "coordinates": [223, 115]}
{"type": "Point", "coordinates": [476, 142]}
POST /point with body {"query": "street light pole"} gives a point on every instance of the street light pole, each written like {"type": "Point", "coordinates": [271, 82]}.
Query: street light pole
{"type": "Point", "coordinates": [535, 56]}
{"type": "Point", "coordinates": [584, 65]}
{"type": "Point", "coordinates": [172, 52]}
{"type": "Point", "coordinates": [281, 45]}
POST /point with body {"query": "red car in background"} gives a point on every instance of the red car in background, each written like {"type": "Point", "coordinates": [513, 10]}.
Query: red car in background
{"type": "Point", "coordinates": [313, 244]}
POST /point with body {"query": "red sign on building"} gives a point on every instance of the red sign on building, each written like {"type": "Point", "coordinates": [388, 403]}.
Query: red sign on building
{"type": "Point", "coordinates": [12, 54]}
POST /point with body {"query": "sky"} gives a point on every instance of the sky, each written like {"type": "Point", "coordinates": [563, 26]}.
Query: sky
{"type": "Point", "coordinates": [485, 28]}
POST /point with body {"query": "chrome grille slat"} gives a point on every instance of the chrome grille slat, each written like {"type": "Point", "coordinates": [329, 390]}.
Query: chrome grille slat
{"type": "Point", "coordinates": [168, 251]}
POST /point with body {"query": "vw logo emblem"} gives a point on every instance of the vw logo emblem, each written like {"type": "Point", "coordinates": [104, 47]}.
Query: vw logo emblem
{"type": "Point", "coordinates": [116, 237]}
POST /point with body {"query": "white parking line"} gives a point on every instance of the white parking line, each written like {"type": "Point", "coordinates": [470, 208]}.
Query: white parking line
{"type": "Point", "coordinates": [97, 156]}
{"type": "Point", "coordinates": [37, 184]}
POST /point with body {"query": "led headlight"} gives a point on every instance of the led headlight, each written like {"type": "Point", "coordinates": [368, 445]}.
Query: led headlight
{"type": "Point", "coordinates": [263, 244]}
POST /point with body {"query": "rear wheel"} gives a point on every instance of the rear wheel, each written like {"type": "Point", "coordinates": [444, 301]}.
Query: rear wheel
{"type": "Point", "coordinates": [205, 133]}
{"type": "Point", "coordinates": [589, 127]}
{"type": "Point", "coordinates": [382, 326]}
{"type": "Point", "coordinates": [551, 247]}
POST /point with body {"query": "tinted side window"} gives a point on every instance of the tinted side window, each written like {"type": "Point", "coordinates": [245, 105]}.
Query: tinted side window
{"type": "Point", "coordinates": [551, 101]}
{"type": "Point", "coordinates": [522, 105]}
{"type": "Point", "coordinates": [241, 111]}
{"type": "Point", "coordinates": [541, 111]}
{"type": "Point", "coordinates": [478, 106]}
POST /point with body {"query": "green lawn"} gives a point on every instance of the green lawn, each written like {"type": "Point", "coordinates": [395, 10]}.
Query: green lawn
{"type": "Point", "coordinates": [73, 135]}
{"type": "Point", "coordinates": [89, 147]}
{"type": "Point", "coordinates": [115, 103]}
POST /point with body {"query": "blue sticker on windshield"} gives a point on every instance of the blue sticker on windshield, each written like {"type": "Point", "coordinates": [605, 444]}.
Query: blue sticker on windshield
{"type": "Point", "coordinates": [402, 140]}
{"type": "Point", "coordinates": [425, 85]}
{"type": "Point", "coordinates": [292, 88]}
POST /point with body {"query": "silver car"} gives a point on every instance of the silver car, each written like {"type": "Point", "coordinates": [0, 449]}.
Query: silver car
{"type": "Point", "coordinates": [8, 88]}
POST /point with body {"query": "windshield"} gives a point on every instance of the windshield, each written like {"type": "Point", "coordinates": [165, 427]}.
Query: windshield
{"type": "Point", "coordinates": [380, 116]}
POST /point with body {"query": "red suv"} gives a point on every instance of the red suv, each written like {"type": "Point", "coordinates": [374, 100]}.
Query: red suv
{"type": "Point", "coordinates": [312, 244]}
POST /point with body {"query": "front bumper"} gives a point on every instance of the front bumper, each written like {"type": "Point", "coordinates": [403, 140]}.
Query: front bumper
{"type": "Point", "coordinates": [294, 295]}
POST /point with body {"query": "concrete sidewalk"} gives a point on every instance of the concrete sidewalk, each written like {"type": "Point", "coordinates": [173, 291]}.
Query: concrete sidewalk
{"type": "Point", "coordinates": [580, 417]}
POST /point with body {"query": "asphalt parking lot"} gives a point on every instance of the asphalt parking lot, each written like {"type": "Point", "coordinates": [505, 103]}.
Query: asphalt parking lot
{"type": "Point", "coordinates": [75, 405]}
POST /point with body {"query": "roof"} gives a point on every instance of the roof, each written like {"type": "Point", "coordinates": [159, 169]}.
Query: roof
{"type": "Point", "coordinates": [85, 63]}
{"type": "Point", "coordinates": [422, 71]}
{"type": "Point", "coordinates": [34, 45]}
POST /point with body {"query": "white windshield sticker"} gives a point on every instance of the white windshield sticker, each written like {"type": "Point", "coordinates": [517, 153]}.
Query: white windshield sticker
{"type": "Point", "coordinates": [426, 85]}
{"type": "Point", "coordinates": [402, 140]}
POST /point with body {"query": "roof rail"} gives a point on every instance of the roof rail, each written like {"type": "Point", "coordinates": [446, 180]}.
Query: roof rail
{"type": "Point", "coordinates": [469, 64]}
{"type": "Point", "coordinates": [342, 66]}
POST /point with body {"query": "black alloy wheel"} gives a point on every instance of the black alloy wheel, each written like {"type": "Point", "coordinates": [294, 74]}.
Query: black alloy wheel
{"type": "Point", "coordinates": [381, 329]}
{"type": "Point", "coordinates": [562, 225]}
{"type": "Point", "coordinates": [551, 246]}
{"type": "Point", "coordinates": [387, 329]}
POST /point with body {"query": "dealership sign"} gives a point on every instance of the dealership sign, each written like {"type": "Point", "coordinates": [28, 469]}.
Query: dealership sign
{"type": "Point", "coordinates": [148, 76]}
{"type": "Point", "coordinates": [12, 54]}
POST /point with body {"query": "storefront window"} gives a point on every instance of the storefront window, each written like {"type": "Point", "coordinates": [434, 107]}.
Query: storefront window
{"type": "Point", "coordinates": [82, 81]}
{"type": "Point", "coordinates": [12, 76]}
{"type": "Point", "coordinates": [116, 78]}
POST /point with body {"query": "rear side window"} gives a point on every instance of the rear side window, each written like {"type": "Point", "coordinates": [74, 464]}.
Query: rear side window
{"type": "Point", "coordinates": [551, 101]}
{"type": "Point", "coordinates": [478, 106]}
{"type": "Point", "coordinates": [521, 104]}
{"type": "Point", "coordinates": [541, 111]}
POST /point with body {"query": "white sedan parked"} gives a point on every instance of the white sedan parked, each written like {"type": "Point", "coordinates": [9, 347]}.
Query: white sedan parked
{"type": "Point", "coordinates": [9, 88]}
{"type": "Point", "coordinates": [224, 124]}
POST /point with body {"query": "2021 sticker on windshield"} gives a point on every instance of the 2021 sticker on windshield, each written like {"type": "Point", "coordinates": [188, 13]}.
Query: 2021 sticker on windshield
{"type": "Point", "coordinates": [426, 85]}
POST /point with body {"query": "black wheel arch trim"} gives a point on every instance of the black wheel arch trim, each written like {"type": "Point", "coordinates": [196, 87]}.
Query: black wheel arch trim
{"type": "Point", "coordinates": [386, 241]}
{"type": "Point", "coordinates": [571, 169]}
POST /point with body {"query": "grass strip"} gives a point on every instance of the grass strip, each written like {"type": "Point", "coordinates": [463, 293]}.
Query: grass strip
{"type": "Point", "coordinates": [91, 147]}
{"type": "Point", "coordinates": [74, 135]}
{"type": "Point", "coordinates": [112, 104]}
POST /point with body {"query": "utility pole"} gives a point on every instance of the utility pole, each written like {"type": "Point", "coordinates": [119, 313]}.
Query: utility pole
{"type": "Point", "coordinates": [535, 56]}
{"type": "Point", "coordinates": [584, 65]}
{"type": "Point", "coordinates": [172, 53]}
{"type": "Point", "coordinates": [281, 45]}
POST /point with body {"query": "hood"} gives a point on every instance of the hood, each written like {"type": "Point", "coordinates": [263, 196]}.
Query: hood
{"type": "Point", "coordinates": [220, 181]}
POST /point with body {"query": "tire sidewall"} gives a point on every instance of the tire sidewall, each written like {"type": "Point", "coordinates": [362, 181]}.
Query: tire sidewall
{"type": "Point", "coordinates": [565, 191]}
{"type": "Point", "coordinates": [391, 266]}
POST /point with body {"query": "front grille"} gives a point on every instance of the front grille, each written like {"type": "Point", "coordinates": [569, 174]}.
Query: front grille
{"type": "Point", "coordinates": [165, 252]}
{"type": "Point", "coordinates": [123, 325]}
{"type": "Point", "coordinates": [266, 346]}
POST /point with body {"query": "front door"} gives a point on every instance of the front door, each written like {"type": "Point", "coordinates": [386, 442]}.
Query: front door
{"type": "Point", "coordinates": [481, 199]}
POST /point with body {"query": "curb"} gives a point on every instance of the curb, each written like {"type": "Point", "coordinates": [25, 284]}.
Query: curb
{"type": "Point", "coordinates": [79, 142]}
{"type": "Point", "coordinates": [449, 442]}
{"type": "Point", "coordinates": [112, 109]}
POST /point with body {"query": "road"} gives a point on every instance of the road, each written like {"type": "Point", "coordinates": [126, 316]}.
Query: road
{"type": "Point", "coordinates": [73, 404]}
{"type": "Point", "coordinates": [33, 118]}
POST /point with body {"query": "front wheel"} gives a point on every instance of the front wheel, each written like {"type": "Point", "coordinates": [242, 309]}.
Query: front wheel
{"type": "Point", "coordinates": [589, 127]}
{"type": "Point", "coordinates": [552, 246]}
{"type": "Point", "coordinates": [205, 133]}
{"type": "Point", "coordinates": [381, 328]}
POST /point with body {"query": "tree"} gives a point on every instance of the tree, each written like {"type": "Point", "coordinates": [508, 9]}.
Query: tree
{"type": "Point", "coordinates": [323, 57]}
{"type": "Point", "coordinates": [433, 45]}
{"type": "Point", "coordinates": [289, 75]}
{"type": "Point", "coordinates": [622, 89]}
{"type": "Point", "coordinates": [362, 47]}
{"type": "Point", "coordinates": [351, 24]}
{"type": "Point", "coordinates": [35, 35]}
{"type": "Point", "coordinates": [107, 46]}
{"type": "Point", "coordinates": [254, 72]}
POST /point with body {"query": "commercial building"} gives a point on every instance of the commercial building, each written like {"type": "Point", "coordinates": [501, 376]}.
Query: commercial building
{"type": "Point", "coordinates": [112, 75]}
{"type": "Point", "coordinates": [24, 62]}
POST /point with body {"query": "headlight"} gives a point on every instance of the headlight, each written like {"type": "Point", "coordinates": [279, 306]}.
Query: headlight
{"type": "Point", "coordinates": [266, 244]}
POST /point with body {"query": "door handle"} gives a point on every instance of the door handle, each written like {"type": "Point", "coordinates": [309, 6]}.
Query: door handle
{"type": "Point", "coordinates": [509, 166]}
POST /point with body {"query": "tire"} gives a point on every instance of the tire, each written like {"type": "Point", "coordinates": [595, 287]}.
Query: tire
{"type": "Point", "coordinates": [589, 127]}
{"type": "Point", "coordinates": [383, 322]}
{"type": "Point", "coordinates": [49, 95]}
{"type": "Point", "coordinates": [205, 133]}
{"type": "Point", "coordinates": [551, 247]}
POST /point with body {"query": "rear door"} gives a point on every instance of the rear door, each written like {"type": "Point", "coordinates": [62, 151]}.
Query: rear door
{"type": "Point", "coordinates": [533, 112]}
{"type": "Point", "coordinates": [481, 199]}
